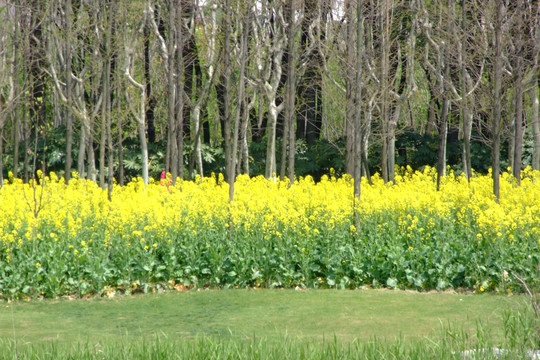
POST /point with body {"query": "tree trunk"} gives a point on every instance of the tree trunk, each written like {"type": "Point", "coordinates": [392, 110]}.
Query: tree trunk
{"type": "Point", "coordinates": [244, 133]}
{"type": "Point", "coordinates": [172, 96]}
{"type": "Point", "coordinates": [110, 146]}
{"type": "Point", "coordinates": [466, 103]}
{"type": "Point", "coordinates": [350, 90]}
{"type": "Point", "coordinates": [121, 177]}
{"type": "Point", "coordinates": [139, 115]}
{"type": "Point", "coordinates": [226, 118]}
{"type": "Point", "coordinates": [240, 103]}
{"type": "Point", "coordinates": [535, 122]}
{"type": "Point", "coordinates": [190, 59]}
{"type": "Point", "coordinates": [143, 143]}
{"type": "Point", "coordinates": [91, 157]}
{"type": "Point", "coordinates": [358, 104]}
{"type": "Point", "coordinates": [270, 170]}
{"type": "Point", "coordinates": [386, 153]}
{"type": "Point", "coordinates": [198, 150]}
{"type": "Point", "coordinates": [180, 86]}
{"type": "Point", "coordinates": [443, 130]}
{"type": "Point", "coordinates": [533, 94]}
{"type": "Point", "coordinates": [284, 145]}
{"type": "Point", "coordinates": [16, 140]}
{"type": "Point", "coordinates": [69, 115]}
{"type": "Point", "coordinates": [27, 151]}
{"type": "Point", "coordinates": [291, 90]}
{"type": "Point", "coordinates": [467, 119]}
{"type": "Point", "coordinates": [104, 120]}
{"type": "Point", "coordinates": [497, 99]}
{"type": "Point", "coordinates": [519, 129]}
{"type": "Point", "coordinates": [82, 151]}
{"type": "Point", "coordinates": [150, 121]}
{"type": "Point", "coordinates": [391, 139]}
{"type": "Point", "coordinates": [443, 135]}
{"type": "Point", "coordinates": [271, 86]}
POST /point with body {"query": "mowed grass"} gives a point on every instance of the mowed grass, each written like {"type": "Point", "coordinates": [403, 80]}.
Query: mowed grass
{"type": "Point", "coordinates": [247, 314]}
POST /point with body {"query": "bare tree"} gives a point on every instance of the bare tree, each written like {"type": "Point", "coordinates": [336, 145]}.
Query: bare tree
{"type": "Point", "coordinates": [396, 53]}
{"type": "Point", "coordinates": [241, 49]}
{"type": "Point", "coordinates": [195, 100]}
{"type": "Point", "coordinates": [140, 114]}
{"type": "Point", "coordinates": [441, 72]}
{"type": "Point", "coordinates": [288, 139]}
{"type": "Point", "coordinates": [270, 35]}
{"type": "Point", "coordinates": [227, 121]}
{"type": "Point", "coordinates": [172, 50]}
{"type": "Point", "coordinates": [471, 49]}
{"type": "Point", "coordinates": [533, 94]}
{"type": "Point", "coordinates": [84, 101]}
{"type": "Point", "coordinates": [357, 100]}
{"type": "Point", "coordinates": [68, 14]}
{"type": "Point", "coordinates": [499, 23]}
{"type": "Point", "coordinates": [8, 71]}
{"type": "Point", "coordinates": [521, 61]}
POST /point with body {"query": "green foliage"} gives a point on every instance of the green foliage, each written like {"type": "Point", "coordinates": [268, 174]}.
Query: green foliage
{"type": "Point", "coordinates": [315, 160]}
{"type": "Point", "coordinates": [412, 149]}
{"type": "Point", "coordinates": [378, 256]}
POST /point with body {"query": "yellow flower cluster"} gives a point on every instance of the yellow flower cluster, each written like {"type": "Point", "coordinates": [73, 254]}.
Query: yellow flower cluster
{"type": "Point", "coordinates": [80, 213]}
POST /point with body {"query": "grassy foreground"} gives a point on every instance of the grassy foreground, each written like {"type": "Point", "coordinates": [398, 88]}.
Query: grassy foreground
{"type": "Point", "coordinates": [265, 324]}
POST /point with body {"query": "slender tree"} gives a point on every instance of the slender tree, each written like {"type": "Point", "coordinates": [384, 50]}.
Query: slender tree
{"type": "Point", "coordinates": [499, 9]}
{"type": "Point", "coordinates": [522, 66]}
{"type": "Point", "coordinates": [140, 114]}
{"type": "Point", "coordinates": [271, 35]}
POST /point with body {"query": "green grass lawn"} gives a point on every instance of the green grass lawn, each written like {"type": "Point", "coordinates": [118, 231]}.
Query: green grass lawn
{"type": "Point", "coordinates": [313, 314]}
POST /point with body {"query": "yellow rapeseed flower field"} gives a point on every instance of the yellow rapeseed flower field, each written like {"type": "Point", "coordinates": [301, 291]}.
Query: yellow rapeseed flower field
{"type": "Point", "coordinates": [77, 222]}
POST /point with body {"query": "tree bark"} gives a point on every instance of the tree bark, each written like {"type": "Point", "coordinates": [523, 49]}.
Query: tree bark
{"type": "Point", "coordinates": [533, 93]}
{"type": "Point", "coordinates": [497, 98]}
{"type": "Point", "coordinates": [120, 146]}
{"type": "Point", "coordinates": [172, 96]}
{"type": "Point", "coordinates": [240, 102]}
{"type": "Point", "coordinates": [358, 103]}
{"type": "Point", "coordinates": [291, 89]}
{"type": "Point", "coordinates": [140, 114]}
{"type": "Point", "coordinates": [385, 112]}
{"type": "Point", "coordinates": [179, 93]}
{"type": "Point", "coordinates": [69, 115]}
{"type": "Point", "coordinates": [150, 107]}
{"type": "Point", "coordinates": [291, 96]}
{"type": "Point", "coordinates": [467, 119]}
{"type": "Point", "coordinates": [106, 92]}
{"type": "Point", "coordinates": [519, 128]}
{"type": "Point", "coordinates": [535, 123]}
{"type": "Point", "coordinates": [271, 85]}
{"type": "Point", "coordinates": [226, 119]}
{"type": "Point", "coordinates": [350, 83]}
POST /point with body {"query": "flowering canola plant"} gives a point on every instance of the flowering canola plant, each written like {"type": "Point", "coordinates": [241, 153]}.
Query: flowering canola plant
{"type": "Point", "coordinates": [58, 239]}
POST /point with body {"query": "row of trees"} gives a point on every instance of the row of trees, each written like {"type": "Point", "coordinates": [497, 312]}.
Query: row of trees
{"type": "Point", "coordinates": [188, 74]}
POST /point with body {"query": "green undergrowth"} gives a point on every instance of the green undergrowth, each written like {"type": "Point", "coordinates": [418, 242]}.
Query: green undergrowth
{"type": "Point", "coordinates": [451, 260]}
